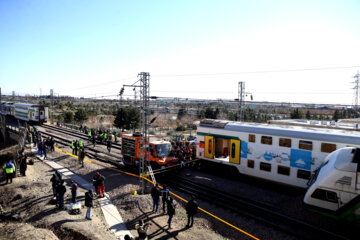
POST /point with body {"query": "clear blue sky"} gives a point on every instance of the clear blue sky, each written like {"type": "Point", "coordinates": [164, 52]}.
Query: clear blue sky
{"type": "Point", "coordinates": [91, 48]}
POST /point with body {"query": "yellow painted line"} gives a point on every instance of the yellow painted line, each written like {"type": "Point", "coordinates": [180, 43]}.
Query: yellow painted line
{"type": "Point", "coordinates": [182, 199]}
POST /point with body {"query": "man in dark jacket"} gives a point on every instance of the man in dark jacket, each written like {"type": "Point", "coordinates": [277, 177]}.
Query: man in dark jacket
{"type": "Point", "coordinates": [55, 182]}
{"type": "Point", "coordinates": [23, 164]}
{"type": "Point", "coordinates": [165, 193]}
{"type": "Point", "coordinates": [170, 210]}
{"type": "Point", "coordinates": [191, 210]}
{"type": "Point", "coordinates": [74, 188]}
{"type": "Point", "coordinates": [89, 197]}
{"type": "Point", "coordinates": [155, 194]}
{"type": "Point", "coordinates": [60, 191]}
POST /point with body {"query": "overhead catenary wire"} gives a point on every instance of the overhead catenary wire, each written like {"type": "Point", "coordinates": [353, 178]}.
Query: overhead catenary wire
{"type": "Point", "coordinates": [96, 85]}
{"type": "Point", "coordinates": [255, 72]}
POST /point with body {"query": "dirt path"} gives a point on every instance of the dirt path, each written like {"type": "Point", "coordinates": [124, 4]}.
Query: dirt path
{"type": "Point", "coordinates": [33, 217]}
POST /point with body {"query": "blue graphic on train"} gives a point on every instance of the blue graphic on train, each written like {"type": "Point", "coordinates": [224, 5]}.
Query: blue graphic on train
{"type": "Point", "coordinates": [300, 159]}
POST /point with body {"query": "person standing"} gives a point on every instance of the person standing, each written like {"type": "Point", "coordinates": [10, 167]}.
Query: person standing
{"type": "Point", "coordinates": [60, 191]}
{"type": "Point", "coordinates": [52, 144]}
{"type": "Point", "coordinates": [155, 194]}
{"type": "Point", "coordinates": [76, 147]}
{"type": "Point", "coordinates": [170, 211]}
{"type": "Point", "coordinates": [95, 178]}
{"type": "Point", "coordinates": [101, 186]}
{"type": "Point", "coordinates": [23, 164]}
{"type": "Point", "coordinates": [9, 169]}
{"type": "Point", "coordinates": [191, 210]}
{"type": "Point", "coordinates": [73, 147]}
{"type": "Point", "coordinates": [74, 188]}
{"type": "Point", "coordinates": [93, 139]}
{"type": "Point", "coordinates": [99, 183]}
{"type": "Point", "coordinates": [89, 197]}
{"type": "Point", "coordinates": [81, 156]}
{"type": "Point", "coordinates": [164, 196]}
{"type": "Point", "coordinates": [44, 147]}
{"type": "Point", "coordinates": [55, 181]}
{"type": "Point", "coordinates": [108, 145]}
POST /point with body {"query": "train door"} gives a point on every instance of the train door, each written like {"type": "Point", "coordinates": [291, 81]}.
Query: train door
{"type": "Point", "coordinates": [235, 151]}
{"type": "Point", "coordinates": [31, 114]}
{"type": "Point", "coordinates": [42, 115]}
{"type": "Point", "coordinates": [209, 147]}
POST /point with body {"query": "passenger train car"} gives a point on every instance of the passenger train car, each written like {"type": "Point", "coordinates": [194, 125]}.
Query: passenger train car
{"type": "Point", "coordinates": [335, 187]}
{"type": "Point", "coordinates": [27, 112]}
{"type": "Point", "coordinates": [281, 153]}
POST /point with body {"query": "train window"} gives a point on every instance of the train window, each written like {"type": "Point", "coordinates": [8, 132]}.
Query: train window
{"type": "Point", "coordinates": [328, 147]}
{"type": "Point", "coordinates": [285, 142]}
{"type": "Point", "coordinates": [251, 137]}
{"type": "Point", "coordinates": [265, 166]}
{"type": "Point", "coordinates": [284, 170]}
{"type": "Point", "coordinates": [233, 150]}
{"type": "Point", "coordinates": [325, 195]}
{"type": "Point", "coordinates": [266, 140]}
{"type": "Point", "coordinates": [251, 163]}
{"type": "Point", "coordinates": [303, 174]}
{"type": "Point", "coordinates": [307, 145]}
{"type": "Point", "coordinates": [210, 146]}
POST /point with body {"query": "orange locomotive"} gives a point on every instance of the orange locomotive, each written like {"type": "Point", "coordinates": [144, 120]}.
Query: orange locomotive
{"type": "Point", "coordinates": [160, 153]}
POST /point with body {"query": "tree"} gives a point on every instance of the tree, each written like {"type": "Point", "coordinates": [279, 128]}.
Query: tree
{"type": "Point", "coordinates": [308, 116]}
{"type": "Point", "coordinates": [127, 118]}
{"type": "Point", "coordinates": [181, 113]}
{"type": "Point", "coordinates": [68, 117]}
{"type": "Point", "coordinates": [336, 115]}
{"type": "Point", "coordinates": [296, 114]}
{"type": "Point", "coordinates": [81, 115]}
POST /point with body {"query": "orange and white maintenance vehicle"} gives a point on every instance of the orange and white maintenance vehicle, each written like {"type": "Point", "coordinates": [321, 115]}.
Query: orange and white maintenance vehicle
{"type": "Point", "coordinates": [160, 151]}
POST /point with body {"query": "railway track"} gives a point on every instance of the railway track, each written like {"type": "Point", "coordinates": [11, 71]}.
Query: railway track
{"type": "Point", "coordinates": [102, 156]}
{"type": "Point", "coordinates": [77, 135]}
{"type": "Point", "coordinates": [265, 213]}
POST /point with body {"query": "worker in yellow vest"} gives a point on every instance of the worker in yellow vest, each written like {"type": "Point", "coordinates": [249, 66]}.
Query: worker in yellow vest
{"type": "Point", "coordinates": [73, 146]}
{"type": "Point", "coordinates": [9, 169]}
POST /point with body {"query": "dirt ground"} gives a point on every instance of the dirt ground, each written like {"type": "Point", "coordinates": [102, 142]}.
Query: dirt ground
{"type": "Point", "coordinates": [31, 216]}
{"type": "Point", "coordinates": [27, 201]}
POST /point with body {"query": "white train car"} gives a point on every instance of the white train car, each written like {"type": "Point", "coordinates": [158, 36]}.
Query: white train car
{"type": "Point", "coordinates": [335, 187]}
{"type": "Point", "coordinates": [281, 153]}
{"type": "Point", "coordinates": [27, 112]}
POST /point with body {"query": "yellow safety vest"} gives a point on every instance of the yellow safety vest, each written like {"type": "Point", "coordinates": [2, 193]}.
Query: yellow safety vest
{"type": "Point", "coordinates": [9, 167]}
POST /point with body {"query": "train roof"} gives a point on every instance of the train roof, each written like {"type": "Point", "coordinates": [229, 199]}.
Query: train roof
{"type": "Point", "coordinates": [303, 132]}
{"type": "Point", "coordinates": [27, 105]}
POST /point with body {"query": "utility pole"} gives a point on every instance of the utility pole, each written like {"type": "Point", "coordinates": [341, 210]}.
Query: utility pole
{"type": "Point", "coordinates": [356, 94]}
{"type": "Point", "coordinates": [241, 97]}
{"type": "Point", "coordinates": [145, 100]}
{"type": "Point", "coordinates": [52, 106]}
{"type": "Point", "coordinates": [145, 123]}
{"type": "Point", "coordinates": [134, 96]}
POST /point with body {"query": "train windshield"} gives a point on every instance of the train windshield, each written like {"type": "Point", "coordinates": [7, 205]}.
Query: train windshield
{"type": "Point", "coordinates": [316, 173]}
{"type": "Point", "coordinates": [163, 150]}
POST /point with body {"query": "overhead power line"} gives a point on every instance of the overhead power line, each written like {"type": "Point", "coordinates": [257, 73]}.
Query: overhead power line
{"type": "Point", "coordinates": [96, 85]}
{"type": "Point", "coordinates": [256, 72]}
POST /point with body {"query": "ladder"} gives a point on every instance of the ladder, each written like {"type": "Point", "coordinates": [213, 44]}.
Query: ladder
{"type": "Point", "coordinates": [152, 174]}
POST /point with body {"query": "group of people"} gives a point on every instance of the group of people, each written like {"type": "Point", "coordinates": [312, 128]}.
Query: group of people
{"type": "Point", "coordinates": [9, 166]}
{"type": "Point", "coordinates": [59, 191]}
{"type": "Point", "coordinates": [183, 151]}
{"type": "Point", "coordinates": [169, 205]}
{"type": "Point", "coordinates": [78, 149]}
